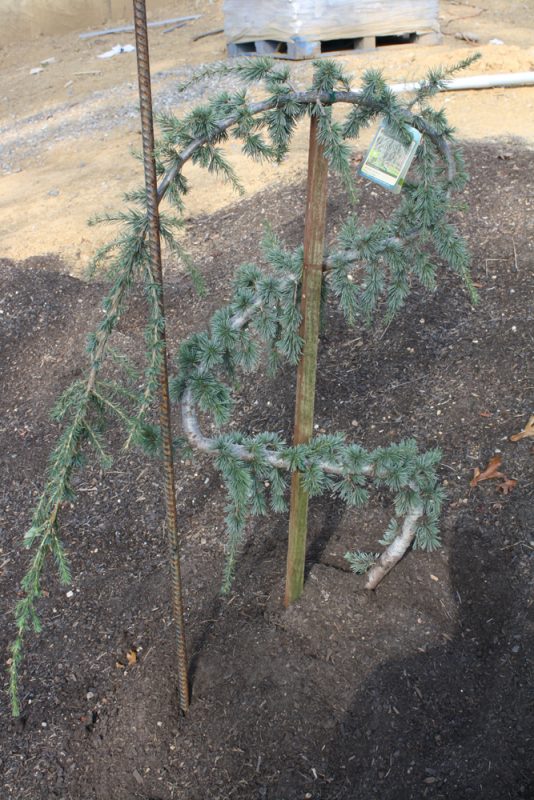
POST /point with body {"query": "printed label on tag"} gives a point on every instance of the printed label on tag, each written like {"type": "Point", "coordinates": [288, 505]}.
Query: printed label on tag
{"type": "Point", "coordinates": [388, 159]}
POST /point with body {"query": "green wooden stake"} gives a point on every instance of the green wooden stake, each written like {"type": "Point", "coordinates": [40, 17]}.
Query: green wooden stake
{"type": "Point", "coordinates": [314, 236]}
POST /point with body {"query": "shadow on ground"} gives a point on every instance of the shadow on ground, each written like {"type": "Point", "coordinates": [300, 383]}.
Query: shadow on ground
{"type": "Point", "coordinates": [456, 705]}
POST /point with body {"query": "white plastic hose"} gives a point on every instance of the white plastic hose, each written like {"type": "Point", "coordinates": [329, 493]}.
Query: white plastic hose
{"type": "Point", "coordinates": [476, 82]}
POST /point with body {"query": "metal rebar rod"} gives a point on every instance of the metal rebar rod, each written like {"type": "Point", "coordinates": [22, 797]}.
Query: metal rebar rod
{"type": "Point", "coordinates": [147, 126]}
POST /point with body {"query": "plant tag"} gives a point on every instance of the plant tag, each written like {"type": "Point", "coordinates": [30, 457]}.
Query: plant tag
{"type": "Point", "coordinates": [388, 159]}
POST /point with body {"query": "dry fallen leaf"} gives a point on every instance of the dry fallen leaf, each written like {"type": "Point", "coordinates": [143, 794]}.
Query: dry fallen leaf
{"type": "Point", "coordinates": [490, 472]}
{"type": "Point", "coordinates": [131, 657]}
{"type": "Point", "coordinates": [507, 485]}
{"type": "Point", "coordinates": [119, 665]}
{"type": "Point", "coordinates": [528, 430]}
{"type": "Point", "coordinates": [485, 414]}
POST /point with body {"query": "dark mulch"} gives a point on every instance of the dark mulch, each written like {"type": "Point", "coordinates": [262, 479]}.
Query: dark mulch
{"type": "Point", "coordinates": [423, 689]}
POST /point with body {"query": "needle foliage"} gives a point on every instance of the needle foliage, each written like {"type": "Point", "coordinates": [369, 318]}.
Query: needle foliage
{"type": "Point", "coordinates": [370, 271]}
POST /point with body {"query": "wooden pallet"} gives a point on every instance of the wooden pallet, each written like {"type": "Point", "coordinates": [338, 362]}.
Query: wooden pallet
{"type": "Point", "coordinates": [298, 49]}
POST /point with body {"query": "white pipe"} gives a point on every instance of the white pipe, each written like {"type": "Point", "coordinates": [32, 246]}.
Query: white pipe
{"type": "Point", "coordinates": [130, 28]}
{"type": "Point", "coordinates": [475, 82]}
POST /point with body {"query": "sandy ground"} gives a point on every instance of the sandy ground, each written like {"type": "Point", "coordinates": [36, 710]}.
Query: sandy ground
{"type": "Point", "coordinates": [66, 133]}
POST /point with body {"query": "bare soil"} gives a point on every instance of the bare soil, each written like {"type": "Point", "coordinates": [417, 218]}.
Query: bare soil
{"type": "Point", "coordinates": [66, 133]}
{"type": "Point", "coordinates": [422, 690]}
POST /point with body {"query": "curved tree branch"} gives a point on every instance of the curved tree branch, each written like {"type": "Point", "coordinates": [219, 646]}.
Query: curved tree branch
{"type": "Point", "coordinates": [191, 427]}
{"type": "Point", "coordinates": [307, 99]}
{"type": "Point", "coordinates": [396, 550]}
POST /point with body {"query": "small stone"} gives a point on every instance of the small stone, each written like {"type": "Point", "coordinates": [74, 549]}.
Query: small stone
{"type": "Point", "coordinates": [69, 594]}
{"type": "Point", "coordinates": [53, 192]}
{"type": "Point", "coordinates": [467, 37]}
{"type": "Point", "coordinates": [137, 777]}
{"type": "Point", "coordinates": [515, 648]}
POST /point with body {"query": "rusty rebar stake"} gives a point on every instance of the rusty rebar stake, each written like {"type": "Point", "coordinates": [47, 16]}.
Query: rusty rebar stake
{"type": "Point", "coordinates": [147, 127]}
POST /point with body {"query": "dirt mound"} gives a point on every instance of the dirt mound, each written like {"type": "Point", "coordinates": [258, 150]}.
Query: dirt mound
{"type": "Point", "coordinates": [424, 689]}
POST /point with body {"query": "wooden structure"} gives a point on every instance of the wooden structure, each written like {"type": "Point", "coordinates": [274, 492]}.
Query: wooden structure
{"type": "Point", "coordinates": [299, 29]}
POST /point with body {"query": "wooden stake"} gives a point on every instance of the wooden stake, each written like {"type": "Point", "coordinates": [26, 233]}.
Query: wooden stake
{"type": "Point", "coordinates": [314, 236]}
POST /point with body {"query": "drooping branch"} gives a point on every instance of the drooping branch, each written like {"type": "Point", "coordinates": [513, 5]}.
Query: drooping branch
{"type": "Point", "coordinates": [391, 555]}
{"type": "Point", "coordinates": [276, 459]}
{"type": "Point", "coordinates": [306, 100]}
{"type": "Point", "coordinates": [386, 254]}
{"type": "Point", "coordinates": [395, 551]}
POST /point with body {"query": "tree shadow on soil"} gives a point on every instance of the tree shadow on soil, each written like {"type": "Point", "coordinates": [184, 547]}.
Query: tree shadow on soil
{"type": "Point", "coordinates": [334, 512]}
{"type": "Point", "coordinates": [455, 721]}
